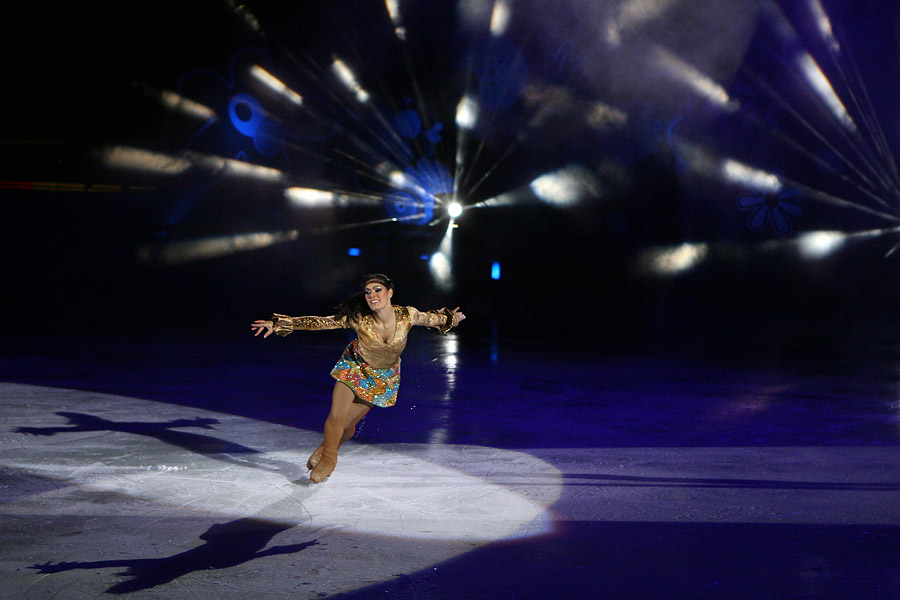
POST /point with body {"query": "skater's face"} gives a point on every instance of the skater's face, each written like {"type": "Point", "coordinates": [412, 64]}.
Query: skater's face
{"type": "Point", "coordinates": [377, 294]}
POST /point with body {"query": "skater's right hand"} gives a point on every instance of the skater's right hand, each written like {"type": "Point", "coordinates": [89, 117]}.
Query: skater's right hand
{"type": "Point", "coordinates": [259, 326]}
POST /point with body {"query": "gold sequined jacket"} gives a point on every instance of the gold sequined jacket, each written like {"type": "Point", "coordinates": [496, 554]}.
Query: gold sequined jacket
{"type": "Point", "coordinates": [374, 349]}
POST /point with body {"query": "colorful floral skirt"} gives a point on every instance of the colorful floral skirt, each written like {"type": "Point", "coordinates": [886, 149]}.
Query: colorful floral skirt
{"type": "Point", "coordinates": [378, 386]}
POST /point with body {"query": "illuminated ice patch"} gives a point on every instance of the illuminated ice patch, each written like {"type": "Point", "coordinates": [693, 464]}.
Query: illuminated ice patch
{"type": "Point", "coordinates": [443, 492]}
{"type": "Point", "coordinates": [374, 490]}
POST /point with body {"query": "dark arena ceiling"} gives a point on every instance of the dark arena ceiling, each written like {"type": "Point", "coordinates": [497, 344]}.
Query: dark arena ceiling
{"type": "Point", "coordinates": [668, 162]}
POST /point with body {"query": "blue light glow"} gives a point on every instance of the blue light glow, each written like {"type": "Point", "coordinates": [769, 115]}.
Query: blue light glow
{"type": "Point", "coordinates": [353, 252]}
{"type": "Point", "coordinates": [495, 271]}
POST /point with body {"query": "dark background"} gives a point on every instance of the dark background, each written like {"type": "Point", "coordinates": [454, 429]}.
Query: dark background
{"type": "Point", "coordinates": [81, 247]}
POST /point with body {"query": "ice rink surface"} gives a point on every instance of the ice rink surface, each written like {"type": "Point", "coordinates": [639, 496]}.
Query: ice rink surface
{"type": "Point", "coordinates": [173, 471]}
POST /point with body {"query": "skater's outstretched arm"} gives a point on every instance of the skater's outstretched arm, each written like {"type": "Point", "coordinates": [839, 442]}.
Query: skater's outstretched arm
{"type": "Point", "coordinates": [283, 324]}
{"type": "Point", "coordinates": [442, 319]}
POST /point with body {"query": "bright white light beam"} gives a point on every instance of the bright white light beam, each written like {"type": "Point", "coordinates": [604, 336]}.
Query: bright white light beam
{"type": "Point", "coordinates": [500, 17]}
{"type": "Point", "coordinates": [824, 25]}
{"type": "Point", "coordinates": [737, 172]}
{"type": "Point", "coordinates": [239, 168]}
{"type": "Point", "coordinates": [822, 87]}
{"type": "Point", "coordinates": [309, 197]}
{"type": "Point", "coordinates": [276, 85]}
{"type": "Point", "coordinates": [675, 260]}
{"type": "Point", "coordinates": [346, 76]}
{"type": "Point", "coordinates": [126, 157]}
{"type": "Point", "coordinates": [566, 187]}
{"type": "Point", "coordinates": [179, 103]}
{"type": "Point", "coordinates": [394, 11]}
{"type": "Point", "coordinates": [819, 244]}
{"type": "Point", "coordinates": [467, 112]}
{"type": "Point", "coordinates": [178, 253]}
{"type": "Point", "coordinates": [441, 263]}
{"type": "Point", "coordinates": [702, 84]}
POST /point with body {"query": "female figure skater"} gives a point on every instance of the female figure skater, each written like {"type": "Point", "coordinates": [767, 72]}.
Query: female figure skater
{"type": "Point", "coordinates": [368, 373]}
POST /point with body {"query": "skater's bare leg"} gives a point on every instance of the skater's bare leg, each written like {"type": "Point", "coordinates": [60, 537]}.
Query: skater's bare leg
{"type": "Point", "coordinates": [354, 415]}
{"type": "Point", "coordinates": [341, 401]}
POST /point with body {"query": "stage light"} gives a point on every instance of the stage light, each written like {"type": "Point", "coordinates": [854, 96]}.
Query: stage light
{"type": "Point", "coordinates": [346, 76]}
{"type": "Point", "coordinates": [673, 261]}
{"type": "Point", "coordinates": [274, 84]}
{"type": "Point", "coordinates": [441, 263]}
{"type": "Point", "coordinates": [819, 244]}
{"type": "Point", "coordinates": [454, 209]}
{"type": "Point", "coordinates": [125, 157]}
{"type": "Point", "coordinates": [309, 197]}
{"type": "Point", "coordinates": [824, 25]}
{"type": "Point", "coordinates": [505, 199]}
{"type": "Point", "coordinates": [403, 181]}
{"type": "Point", "coordinates": [177, 253]}
{"type": "Point", "coordinates": [700, 83]}
{"type": "Point", "coordinates": [441, 271]}
{"type": "Point", "coordinates": [566, 187]}
{"type": "Point", "coordinates": [138, 159]}
{"type": "Point", "coordinates": [467, 112]}
{"type": "Point", "coordinates": [239, 168]}
{"type": "Point", "coordinates": [822, 87]}
{"type": "Point", "coordinates": [500, 17]}
{"type": "Point", "coordinates": [179, 103]}
{"type": "Point", "coordinates": [398, 179]}
{"type": "Point", "coordinates": [756, 179]}
{"type": "Point", "coordinates": [394, 12]}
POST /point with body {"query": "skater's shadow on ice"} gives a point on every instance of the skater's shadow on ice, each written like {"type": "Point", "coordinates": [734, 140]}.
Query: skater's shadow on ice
{"type": "Point", "coordinates": [227, 545]}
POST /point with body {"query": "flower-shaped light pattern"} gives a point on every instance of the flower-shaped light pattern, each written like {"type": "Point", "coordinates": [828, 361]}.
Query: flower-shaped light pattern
{"type": "Point", "coordinates": [777, 209]}
{"type": "Point", "coordinates": [260, 138]}
{"type": "Point", "coordinates": [427, 178]}
{"type": "Point", "coordinates": [413, 199]}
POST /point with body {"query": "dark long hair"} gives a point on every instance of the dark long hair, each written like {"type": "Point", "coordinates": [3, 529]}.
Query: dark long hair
{"type": "Point", "coordinates": [356, 307]}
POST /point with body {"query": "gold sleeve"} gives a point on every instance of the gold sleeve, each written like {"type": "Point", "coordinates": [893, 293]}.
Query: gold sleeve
{"type": "Point", "coordinates": [283, 324]}
{"type": "Point", "coordinates": [441, 319]}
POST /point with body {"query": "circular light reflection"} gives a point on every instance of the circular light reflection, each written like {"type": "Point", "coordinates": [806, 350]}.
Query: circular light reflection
{"type": "Point", "coordinates": [410, 491]}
